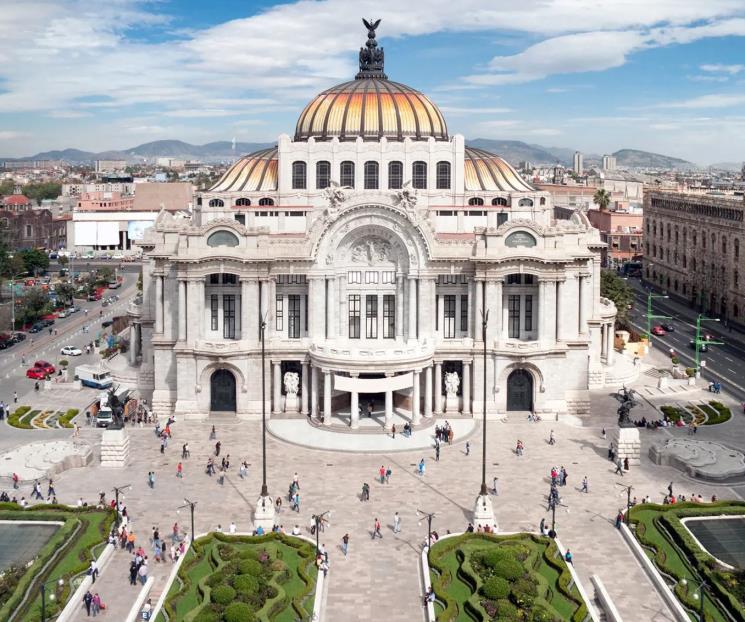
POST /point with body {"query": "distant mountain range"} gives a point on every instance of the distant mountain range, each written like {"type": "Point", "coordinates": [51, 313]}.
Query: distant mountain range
{"type": "Point", "coordinates": [514, 151]}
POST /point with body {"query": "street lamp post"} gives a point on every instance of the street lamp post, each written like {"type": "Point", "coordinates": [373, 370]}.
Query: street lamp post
{"type": "Point", "coordinates": [264, 512]}
{"type": "Point", "coordinates": [318, 519]}
{"type": "Point", "coordinates": [698, 341]}
{"type": "Point", "coordinates": [190, 505]}
{"type": "Point", "coordinates": [13, 301]}
{"type": "Point", "coordinates": [428, 515]}
{"type": "Point", "coordinates": [651, 316]}
{"type": "Point", "coordinates": [698, 595]}
{"type": "Point", "coordinates": [484, 323]}
{"type": "Point", "coordinates": [60, 582]}
{"type": "Point", "coordinates": [628, 501]}
{"type": "Point", "coordinates": [117, 490]}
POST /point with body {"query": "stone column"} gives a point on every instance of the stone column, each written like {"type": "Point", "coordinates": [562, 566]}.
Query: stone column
{"type": "Point", "coordinates": [542, 312]}
{"type": "Point", "coordinates": [583, 286]}
{"type": "Point", "coordinates": [603, 341]}
{"type": "Point", "coordinates": [181, 310]}
{"type": "Point", "coordinates": [388, 405]}
{"type": "Point", "coordinates": [415, 398]}
{"type": "Point", "coordinates": [440, 315]}
{"type": "Point", "coordinates": [610, 349]}
{"type": "Point", "coordinates": [412, 307]}
{"type": "Point", "coordinates": [470, 310]}
{"type": "Point", "coordinates": [492, 301]}
{"type": "Point", "coordinates": [428, 391]}
{"type": "Point", "coordinates": [133, 344]}
{"type": "Point", "coordinates": [505, 312]}
{"type": "Point", "coordinates": [249, 309]}
{"type": "Point", "coordinates": [343, 315]}
{"type": "Point", "coordinates": [326, 397]}
{"type": "Point", "coordinates": [399, 306]}
{"type": "Point", "coordinates": [277, 388]}
{"type": "Point", "coordinates": [264, 306]}
{"type": "Point", "coordinates": [478, 307]}
{"type": "Point", "coordinates": [354, 406]}
{"type": "Point", "coordinates": [426, 308]}
{"type": "Point", "coordinates": [560, 306]}
{"type": "Point", "coordinates": [466, 388]}
{"type": "Point", "coordinates": [201, 303]}
{"type": "Point", "coordinates": [331, 329]}
{"type": "Point", "coordinates": [159, 304]}
{"type": "Point", "coordinates": [313, 391]}
{"type": "Point", "coordinates": [304, 389]}
{"type": "Point", "coordinates": [438, 388]}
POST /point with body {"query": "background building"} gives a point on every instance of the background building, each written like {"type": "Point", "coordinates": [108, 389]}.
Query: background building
{"type": "Point", "coordinates": [109, 166]}
{"type": "Point", "coordinates": [622, 232]}
{"type": "Point", "coordinates": [609, 163]}
{"type": "Point", "coordinates": [578, 165]}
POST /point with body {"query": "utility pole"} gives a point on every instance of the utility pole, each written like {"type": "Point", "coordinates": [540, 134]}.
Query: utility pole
{"type": "Point", "coordinates": [699, 342]}
{"type": "Point", "coordinates": [651, 316]}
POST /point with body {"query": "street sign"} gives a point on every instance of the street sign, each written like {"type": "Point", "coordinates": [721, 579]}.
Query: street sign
{"type": "Point", "coordinates": [703, 363]}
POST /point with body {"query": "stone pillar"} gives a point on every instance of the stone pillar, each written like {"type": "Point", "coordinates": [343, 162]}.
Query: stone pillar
{"type": "Point", "coordinates": [159, 304]}
{"type": "Point", "coordinates": [331, 328]}
{"type": "Point", "coordinates": [277, 387]}
{"type": "Point", "coordinates": [264, 307]}
{"type": "Point", "coordinates": [438, 388]}
{"type": "Point", "coordinates": [181, 310]}
{"type": "Point", "coordinates": [610, 349]}
{"type": "Point", "coordinates": [132, 344]}
{"type": "Point", "coordinates": [466, 388]}
{"type": "Point", "coordinates": [354, 406]}
{"type": "Point", "coordinates": [304, 389]}
{"type": "Point", "coordinates": [412, 308]}
{"type": "Point", "coordinates": [201, 304]}
{"type": "Point", "coordinates": [583, 287]}
{"type": "Point", "coordinates": [478, 307]}
{"type": "Point", "coordinates": [313, 391]}
{"type": "Point", "coordinates": [440, 315]}
{"type": "Point", "coordinates": [399, 306]}
{"type": "Point", "coordinates": [469, 332]}
{"type": "Point", "coordinates": [603, 341]}
{"type": "Point", "coordinates": [428, 391]}
{"type": "Point", "coordinates": [326, 397]}
{"type": "Point", "coordinates": [505, 313]}
{"type": "Point", "coordinates": [343, 315]}
{"type": "Point", "coordinates": [492, 300]}
{"type": "Point", "coordinates": [415, 398]}
{"type": "Point", "coordinates": [388, 405]}
{"type": "Point", "coordinates": [560, 306]}
{"type": "Point", "coordinates": [495, 317]}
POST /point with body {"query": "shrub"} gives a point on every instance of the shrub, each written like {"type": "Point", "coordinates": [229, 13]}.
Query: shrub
{"type": "Point", "coordinates": [541, 614]}
{"type": "Point", "coordinates": [65, 420]}
{"type": "Point", "coordinates": [524, 592]}
{"type": "Point", "coordinates": [495, 588]}
{"type": "Point", "coordinates": [495, 557]}
{"type": "Point", "coordinates": [226, 552]}
{"type": "Point", "coordinates": [64, 363]}
{"type": "Point", "coordinates": [506, 611]}
{"type": "Point", "coordinates": [246, 584]}
{"type": "Point", "coordinates": [248, 554]}
{"type": "Point", "coordinates": [223, 594]}
{"type": "Point", "coordinates": [207, 614]}
{"type": "Point", "coordinates": [250, 566]}
{"type": "Point", "coordinates": [238, 612]}
{"type": "Point", "coordinates": [14, 418]}
{"type": "Point", "coordinates": [509, 569]}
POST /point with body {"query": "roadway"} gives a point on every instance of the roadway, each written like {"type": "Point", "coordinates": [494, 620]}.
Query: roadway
{"type": "Point", "coordinates": [724, 363]}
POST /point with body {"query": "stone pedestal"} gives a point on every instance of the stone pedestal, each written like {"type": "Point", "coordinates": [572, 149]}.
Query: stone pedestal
{"type": "Point", "coordinates": [114, 448]}
{"type": "Point", "coordinates": [483, 513]}
{"type": "Point", "coordinates": [627, 444]}
{"type": "Point", "coordinates": [292, 403]}
{"type": "Point", "coordinates": [264, 514]}
{"type": "Point", "coordinates": [452, 404]}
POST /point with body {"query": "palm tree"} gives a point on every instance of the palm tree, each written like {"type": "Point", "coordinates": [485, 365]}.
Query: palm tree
{"type": "Point", "coordinates": [602, 198]}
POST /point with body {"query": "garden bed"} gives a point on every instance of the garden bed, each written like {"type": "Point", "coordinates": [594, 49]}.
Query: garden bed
{"type": "Point", "coordinates": [678, 556]}
{"type": "Point", "coordinates": [711, 413]}
{"type": "Point", "coordinates": [26, 419]}
{"type": "Point", "coordinates": [479, 576]}
{"type": "Point", "coordinates": [244, 578]}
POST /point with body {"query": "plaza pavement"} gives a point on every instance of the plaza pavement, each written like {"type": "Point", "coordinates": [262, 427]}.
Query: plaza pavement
{"type": "Point", "coordinates": [380, 580]}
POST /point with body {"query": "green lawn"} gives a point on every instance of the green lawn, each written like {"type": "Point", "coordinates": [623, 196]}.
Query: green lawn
{"type": "Point", "coordinates": [71, 545]}
{"type": "Point", "coordinates": [486, 577]}
{"type": "Point", "coordinates": [246, 578]}
{"type": "Point", "coordinates": [676, 554]}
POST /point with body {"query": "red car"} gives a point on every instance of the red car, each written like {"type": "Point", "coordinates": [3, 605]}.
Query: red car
{"type": "Point", "coordinates": [36, 373]}
{"type": "Point", "coordinates": [659, 331]}
{"type": "Point", "coordinates": [48, 368]}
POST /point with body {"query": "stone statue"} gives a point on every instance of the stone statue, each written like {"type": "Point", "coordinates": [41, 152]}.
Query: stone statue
{"type": "Point", "coordinates": [627, 399]}
{"type": "Point", "coordinates": [406, 197]}
{"type": "Point", "coordinates": [117, 409]}
{"type": "Point", "coordinates": [335, 195]}
{"type": "Point", "coordinates": [371, 251]}
{"type": "Point", "coordinates": [452, 382]}
{"type": "Point", "coordinates": [371, 57]}
{"type": "Point", "coordinates": [292, 383]}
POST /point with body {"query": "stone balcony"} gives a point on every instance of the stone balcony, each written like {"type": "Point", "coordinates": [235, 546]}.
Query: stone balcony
{"type": "Point", "coordinates": [372, 357]}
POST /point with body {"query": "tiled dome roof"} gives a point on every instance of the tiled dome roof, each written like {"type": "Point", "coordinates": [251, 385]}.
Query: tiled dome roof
{"type": "Point", "coordinates": [485, 171]}
{"type": "Point", "coordinates": [254, 172]}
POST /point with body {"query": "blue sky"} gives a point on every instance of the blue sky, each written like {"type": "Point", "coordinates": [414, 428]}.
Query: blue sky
{"type": "Point", "coordinates": [660, 75]}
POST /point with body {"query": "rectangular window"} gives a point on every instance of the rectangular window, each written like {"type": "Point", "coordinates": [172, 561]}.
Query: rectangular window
{"type": "Point", "coordinates": [293, 316]}
{"type": "Point", "coordinates": [354, 276]}
{"type": "Point", "coordinates": [213, 312]}
{"type": "Point", "coordinates": [346, 174]}
{"type": "Point", "coordinates": [371, 316]}
{"type": "Point", "coordinates": [513, 306]}
{"type": "Point", "coordinates": [529, 313]}
{"type": "Point", "coordinates": [279, 313]}
{"type": "Point", "coordinates": [513, 279]}
{"type": "Point", "coordinates": [371, 277]}
{"type": "Point", "coordinates": [389, 277]}
{"type": "Point", "coordinates": [354, 316]}
{"type": "Point", "coordinates": [464, 315]}
{"type": "Point", "coordinates": [389, 317]}
{"type": "Point", "coordinates": [240, 218]}
{"type": "Point", "coordinates": [229, 279]}
{"type": "Point", "coordinates": [419, 175]}
{"type": "Point", "coordinates": [501, 218]}
{"type": "Point", "coordinates": [228, 316]}
{"type": "Point", "coordinates": [395, 175]}
{"type": "Point", "coordinates": [214, 279]}
{"type": "Point", "coordinates": [449, 317]}
{"type": "Point", "coordinates": [528, 279]}
{"type": "Point", "coordinates": [305, 313]}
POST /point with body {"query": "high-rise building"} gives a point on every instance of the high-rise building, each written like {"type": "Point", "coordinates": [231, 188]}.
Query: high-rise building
{"type": "Point", "coordinates": [578, 164]}
{"type": "Point", "coordinates": [109, 166]}
{"type": "Point", "coordinates": [609, 163]}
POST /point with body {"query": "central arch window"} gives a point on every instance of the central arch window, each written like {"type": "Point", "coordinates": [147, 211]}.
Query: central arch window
{"type": "Point", "coordinates": [346, 173]}
{"type": "Point", "coordinates": [395, 175]}
{"type": "Point", "coordinates": [476, 201]}
{"type": "Point", "coordinates": [525, 203]}
{"type": "Point", "coordinates": [323, 174]}
{"type": "Point", "coordinates": [243, 202]}
{"type": "Point", "coordinates": [216, 203]}
{"type": "Point", "coordinates": [371, 175]}
{"type": "Point", "coordinates": [266, 201]}
{"type": "Point", "coordinates": [298, 175]}
{"type": "Point", "coordinates": [499, 201]}
{"type": "Point", "coordinates": [222, 238]}
{"type": "Point", "coordinates": [419, 175]}
{"type": "Point", "coordinates": [443, 175]}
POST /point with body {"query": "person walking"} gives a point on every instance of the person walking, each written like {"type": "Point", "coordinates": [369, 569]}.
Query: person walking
{"type": "Point", "coordinates": [626, 463]}
{"type": "Point", "coordinates": [437, 452]}
{"type": "Point", "coordinates": [396, 523]}
{"type": "Point", "coordinates": [218, 444]}
{"type": "Point", "coordinates": [619, 518]}
{"type": "Point", "coordinates": [93, 571]}
{"type": "Point", "coordinates": [151, 479]}
{"type": "Point", "coordinates": [381, 472]}
{"type": "Point", "coordinates": [494, 487]}
{"type": "Point", "coordinates": [619, 467]}
{"type": "Point", "coordinates": [15, 397]}
{"type": "Point", "coordinates": [468, 448]}
{"type": "Point", "coordinates": [670, 489]}
{"type": "Point", "coordinates": [345, 544]}
{"type": "Point", "coordinates": [393, 430]}
{"type": "Point", "coordinates": [278, 505]}
{"type": "Point", "coordinates": [96, 604]}
{"type": "Point", "coordinates": [376, 529]}
{"type": "Point", "coordinates": [551, 438]}
{"type": "Point", "coordinates": [185, 451]}
{"type": "Point", "coordinates": [88, 601]}
{"type": "Point", "coordinates": [388, 473]}
{"type": "Point", "coordinates": [585, 485]}
{"type": "Point", "coordinates": [421, 467]}
{"type": "Point", "coordinates": [179, 470]}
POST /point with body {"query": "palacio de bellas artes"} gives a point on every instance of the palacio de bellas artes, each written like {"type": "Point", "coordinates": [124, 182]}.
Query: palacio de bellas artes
{"type": "Point", "coordinates": [382, 257]}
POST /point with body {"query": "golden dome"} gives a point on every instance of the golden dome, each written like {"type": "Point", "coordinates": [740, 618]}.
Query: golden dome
{"type": "Point", "coordinates": [371, 108]}
{"type": "Point", "coordinates": [485, 171]}
{"type": "Point", "coordinates": [254, 172]}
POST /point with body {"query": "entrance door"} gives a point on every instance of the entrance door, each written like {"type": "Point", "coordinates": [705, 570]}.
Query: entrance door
{"type": "Point", "coordinates": [222, 391]}
{"type": "Point", "coordinates": [520, 391]}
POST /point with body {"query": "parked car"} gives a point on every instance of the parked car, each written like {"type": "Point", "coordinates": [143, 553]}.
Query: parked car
{"type": "Point", "coordinates": [5, 343]}
{"type": "Point", "coordinates": [47, 321]}
{"type": "Point", "coordinates": [36, 328]}
{"type": "Point", "coordinates": [44, 365]}
{"type": "Point", "coordinates": [71, 351]}
{"type": "Point", "coordinates": [73, 310]}
{"type": "Point", "coordinates": [701, 348]}
{"type": "Point", "coordinates": [36, 373]}
{"type": "Point", "coordinates": [62, 314]}
{"type": "Point", "coordinates": [106, 323]}
{"type": "Point", "coordinates": [18, 337]}
{"type": "Point", "coordinates": [670, 328]}
{"type": "Point", "coordinates": [659, 331]}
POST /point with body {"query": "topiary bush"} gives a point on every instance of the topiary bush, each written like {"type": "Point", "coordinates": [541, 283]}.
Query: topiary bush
{"type": "Point", "coordinates": [250, 566]}
{"type": "Point", "coordinates": [238, 612]}
{"type": "Point", "coordinates": [207, 614]}
{"type": "Point", "coordinates": [509, 569]}
{"type": "Point", "coordinates": [495, 588]}
{"type": "Point", "coordinates": [223, 594]}
{"type": "Point", "coordinates": [507, 612]}
{"type": "Point", "coordinates": [248, 554]}
{"type": "Point", "coordinates": [246, 584]}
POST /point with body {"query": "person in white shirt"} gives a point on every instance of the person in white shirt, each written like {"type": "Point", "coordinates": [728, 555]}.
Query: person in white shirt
{"type": "Point", "coordinates": [296, 530]}
{"type": "Point", "coordinates": [232, 527]}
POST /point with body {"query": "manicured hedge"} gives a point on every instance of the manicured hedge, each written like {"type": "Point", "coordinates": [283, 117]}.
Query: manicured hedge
{"type": "Point", "coordinates": [14, 418]}
{"type": "Point", "coordinates": [65, 421]}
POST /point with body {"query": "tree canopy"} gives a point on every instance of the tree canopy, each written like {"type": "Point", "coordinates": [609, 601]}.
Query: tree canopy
{"type": "Point", "coordinates": [39, 191]}
{"type": "Point", "coordinates": [32, 305]}
{"type": "Point", "coordinates": [618, 291]}
{"type": "Point", "coordinates": [35, 260]}
{"type": "Point", "coordinates": [602, 198]}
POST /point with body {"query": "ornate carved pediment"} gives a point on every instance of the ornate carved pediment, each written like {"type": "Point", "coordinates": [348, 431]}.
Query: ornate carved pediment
{"type": "Point", "coordinates": [371, 251]}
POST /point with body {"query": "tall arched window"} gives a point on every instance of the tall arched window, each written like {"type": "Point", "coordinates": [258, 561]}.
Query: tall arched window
{"type": "Point", "coordinates": [298, 176]}
{"type": "Point", "coordinates": [216, 203]}
{"type": "Point", "coordinates": [266, 201]}
{"type": "Point", "coordinates": [372, 170]}
{"type": "Point", "coordinates": [499, 201]}
{"type": "Point", "coordinates": [526, 203]}
{"type": "Point", "coordinates": [443, 175]}
{"type": "Point", "coordinates": [724, 244]}
{"type": "Point", "coordinates": [346, 173]}
{"type": "Point", "coordinates": [543, 200]}
{"type": "Point", "coordinates": [419, 175]}
{"type": "Point", "coordinates": [323, 174]}
{"type": "Point", "coordinates": [395, 175]}
{"type": "Point", "coordinates": [243, 202]}
{"type": "Point", "coordinates": [475, 201]}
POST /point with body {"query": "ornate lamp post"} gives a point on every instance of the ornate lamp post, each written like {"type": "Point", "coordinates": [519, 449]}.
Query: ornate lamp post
{"type": "Point", "coordinates": [264, 512]}
{"type": "Point", "coordinates": [59, 582]}
{"type": "Point", "coordinates": [117, 491]}
{"type": "Point", "coordinates": [483, 513]}
{"type": "Point", "coordinates": [190, 505]}
{"type": "Point", "coordinates": [422, 515]}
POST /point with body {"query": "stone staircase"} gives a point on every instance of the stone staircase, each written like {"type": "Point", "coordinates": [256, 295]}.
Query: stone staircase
{"type": "Point", "coordinates": [623, 372]}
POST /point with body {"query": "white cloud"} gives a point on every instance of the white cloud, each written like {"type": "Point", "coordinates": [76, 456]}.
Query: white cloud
{"type": "Point", "coordinates": [709, 78]}
{"type": "Point", "coordinates": [197, 113]}
{"type": "Point", "coordinates": [715, 100]}
{"type": "Point", "coordinates": [717, 68]}
{"type": "Point", "coordinates": [456, 110]}
{"type": "Point", "coordinates": [11, 134]}
{"type": "Point", "coordinates": [67, 114]}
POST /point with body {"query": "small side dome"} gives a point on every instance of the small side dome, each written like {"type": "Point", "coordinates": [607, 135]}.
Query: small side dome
{"type": "Point", "coordinates": [255, 172]}
{"type": "Point", "coordinates": [486, 171]}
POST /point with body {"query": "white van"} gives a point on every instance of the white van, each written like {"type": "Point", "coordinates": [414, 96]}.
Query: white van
{"type": "Point", "coordinates": [93, 376]}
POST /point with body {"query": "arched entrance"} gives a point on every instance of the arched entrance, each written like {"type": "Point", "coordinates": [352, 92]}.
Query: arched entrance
{"type": "Point", "coordinates": [520, 390]}
{"type": "Point", "coordinates": [222, 391]}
